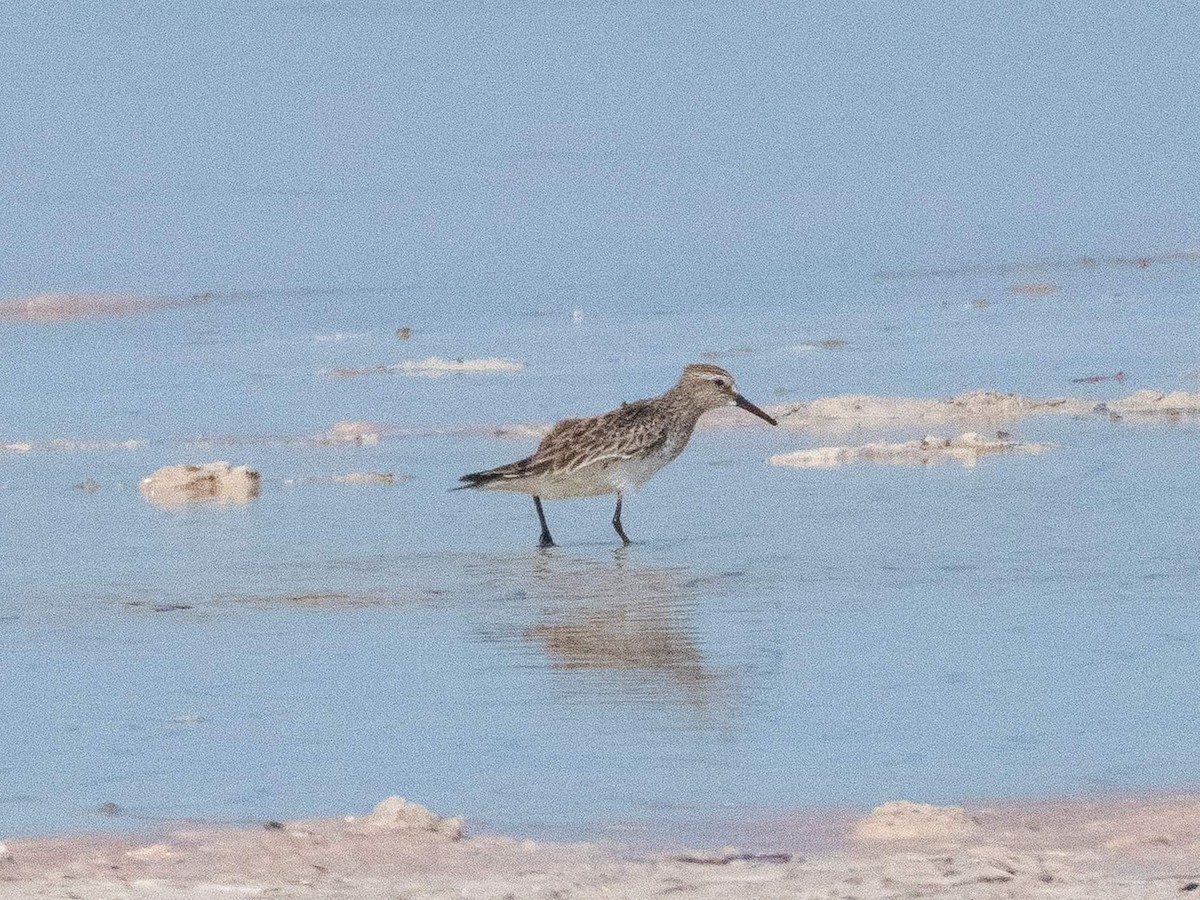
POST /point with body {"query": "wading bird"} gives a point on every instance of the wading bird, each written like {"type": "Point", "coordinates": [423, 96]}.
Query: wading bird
{"type": "Point", "coordinates": [618, 450]}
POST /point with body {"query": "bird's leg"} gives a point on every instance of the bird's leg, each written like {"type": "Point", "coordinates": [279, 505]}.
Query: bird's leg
{"type": "Point", "coordinates": [545, 540]}
{"type": "Point", "coordinates": [617, 522]}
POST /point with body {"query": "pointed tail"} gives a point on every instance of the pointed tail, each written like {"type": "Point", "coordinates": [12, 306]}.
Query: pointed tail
{"type": "Point", "coordinates": [515, 470]}
{"type": "Point", "coordinates": [478, 479]}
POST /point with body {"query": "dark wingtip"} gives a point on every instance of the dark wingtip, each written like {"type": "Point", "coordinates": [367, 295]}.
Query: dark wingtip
{"type": "Point", "coordinates": [470, 480]}
{"type": "Point", "coordinates": [475, 479]}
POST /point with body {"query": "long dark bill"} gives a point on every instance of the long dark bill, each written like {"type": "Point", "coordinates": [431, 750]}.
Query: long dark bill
{"type": "Point", "coordinates": [751, 408]}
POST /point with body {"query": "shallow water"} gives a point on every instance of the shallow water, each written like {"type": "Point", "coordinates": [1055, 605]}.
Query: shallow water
{"type": "Point", "coordinates": [774, 638]}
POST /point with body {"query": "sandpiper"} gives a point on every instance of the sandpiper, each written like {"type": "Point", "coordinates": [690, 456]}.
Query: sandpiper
{"type": "Point", "coordinates": [618, 450]}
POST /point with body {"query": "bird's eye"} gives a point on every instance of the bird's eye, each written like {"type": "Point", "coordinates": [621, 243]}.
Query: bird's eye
{"type": "Point", "coordinates": [720, 382]}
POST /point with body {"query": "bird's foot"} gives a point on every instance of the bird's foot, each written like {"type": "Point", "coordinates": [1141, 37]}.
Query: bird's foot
{"type": "Point", "coordinates": [546, 541]}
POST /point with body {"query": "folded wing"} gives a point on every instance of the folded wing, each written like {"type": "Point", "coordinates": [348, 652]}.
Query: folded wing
{"type": "Point", "coordinates": [575, 444]}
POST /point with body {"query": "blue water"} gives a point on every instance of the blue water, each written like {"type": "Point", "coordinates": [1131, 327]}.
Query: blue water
{"type": "Point", "coordinates": [775, 638]}
{"type": "Point", "coordinates": [694, 179]}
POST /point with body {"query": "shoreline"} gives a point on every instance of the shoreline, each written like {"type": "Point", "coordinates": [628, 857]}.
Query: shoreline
{"type": "Point", "coordinates": [1145, 845]}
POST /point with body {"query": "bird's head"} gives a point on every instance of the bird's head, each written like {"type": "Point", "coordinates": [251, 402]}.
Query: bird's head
{"type": "Point", "coordinates": [711, 387]}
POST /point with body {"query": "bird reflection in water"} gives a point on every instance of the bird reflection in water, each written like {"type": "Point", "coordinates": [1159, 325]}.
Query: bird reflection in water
{"type": "Point", "coordinates": [611, 614]}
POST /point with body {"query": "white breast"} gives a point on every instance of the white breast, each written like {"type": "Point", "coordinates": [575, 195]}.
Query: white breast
{"type": "Point", "coordinates": [633, 473]}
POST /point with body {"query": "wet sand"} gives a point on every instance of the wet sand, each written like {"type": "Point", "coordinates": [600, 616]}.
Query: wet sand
{"type": "Point", "coordinates": [1075, 848]}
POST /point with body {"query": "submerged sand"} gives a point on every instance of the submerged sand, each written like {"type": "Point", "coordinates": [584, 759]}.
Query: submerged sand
{"type": "Point", "coordinates": [68, 445]}
{"type": "Point", "coordinates": [965, 449]}
{"type": "Point", "coordinates": [51, 308]}
{"type": "Point", "coordinates": [982, 407]}
{"type": "Point", "coordinates": [982, 410]}
{"type": "Point", "coordinates": [1101, 848]}
{"type": "Point", "coordinates": [430, 367]}
{"type": "Point", "coordinates": [1167, 404]}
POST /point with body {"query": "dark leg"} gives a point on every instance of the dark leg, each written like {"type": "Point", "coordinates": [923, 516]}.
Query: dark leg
{"type": "Point", "coordinates": [617, 522]}
{"type": "Point", "coordinates": [546, 540]}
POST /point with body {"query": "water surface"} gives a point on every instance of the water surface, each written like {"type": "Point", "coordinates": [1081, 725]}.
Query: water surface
{"type": "Point", "coordinates": [774, 638]}
{"type": "Point", "coordinates": [692, 178]}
